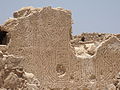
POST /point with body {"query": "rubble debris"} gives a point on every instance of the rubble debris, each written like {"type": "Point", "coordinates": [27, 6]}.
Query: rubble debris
{"type": "Point", "coordinates": [87, 48]}
{"type": "Point", "coordinates": [13, 77]}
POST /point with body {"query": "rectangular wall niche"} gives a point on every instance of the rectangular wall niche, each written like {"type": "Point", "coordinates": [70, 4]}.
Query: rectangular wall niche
{"type": "Point", "coordinates": [4, 38]}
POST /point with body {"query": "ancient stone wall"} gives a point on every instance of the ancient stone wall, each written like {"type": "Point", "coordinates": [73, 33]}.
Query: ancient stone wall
{"type": "Point", "coordinates": [42, 36]}
{"type": "Point", "coordinates": [106, 61]}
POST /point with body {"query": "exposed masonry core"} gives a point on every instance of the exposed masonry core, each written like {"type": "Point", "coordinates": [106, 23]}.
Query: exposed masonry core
{"type": "Point", "coordinates": [3, 38]}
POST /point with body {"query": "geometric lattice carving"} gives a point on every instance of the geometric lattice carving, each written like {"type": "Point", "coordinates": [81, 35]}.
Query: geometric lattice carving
{"type": "Point", "coordinates": [43, 37]}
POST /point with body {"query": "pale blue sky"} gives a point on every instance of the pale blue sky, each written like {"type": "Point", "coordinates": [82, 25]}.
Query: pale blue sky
{"type": "Point", "coordinates": [88, 15]}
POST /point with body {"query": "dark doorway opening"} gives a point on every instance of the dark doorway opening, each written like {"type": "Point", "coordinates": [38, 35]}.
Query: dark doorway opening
{"type": "Point", "coordinates": [3, 38]}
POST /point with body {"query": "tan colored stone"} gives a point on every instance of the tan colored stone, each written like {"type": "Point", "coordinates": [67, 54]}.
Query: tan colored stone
{"type": "Point", "coordinates": [42, 36]}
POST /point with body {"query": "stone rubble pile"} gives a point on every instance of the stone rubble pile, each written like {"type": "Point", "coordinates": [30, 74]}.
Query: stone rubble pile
{"type": "Point", "coordinates": [86, 44]}
{"type": "Point", "coordinates": [85, 49]}
{"type": "Point", "coordinates": [13, 77]}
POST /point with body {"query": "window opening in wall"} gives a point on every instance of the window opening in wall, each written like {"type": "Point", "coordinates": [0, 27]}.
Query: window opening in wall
{"type": "Point", "coordinates": [4, 38]}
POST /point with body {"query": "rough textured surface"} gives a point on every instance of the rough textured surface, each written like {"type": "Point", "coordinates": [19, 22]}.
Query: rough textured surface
{"type": "Point", "coordinates": [13, 77]}
{"type": "Point", "coordinates": [60, 61]}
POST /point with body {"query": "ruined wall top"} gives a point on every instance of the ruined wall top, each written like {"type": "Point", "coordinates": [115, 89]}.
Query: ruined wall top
{"type": "Point", "coordinates": [28, 12]}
